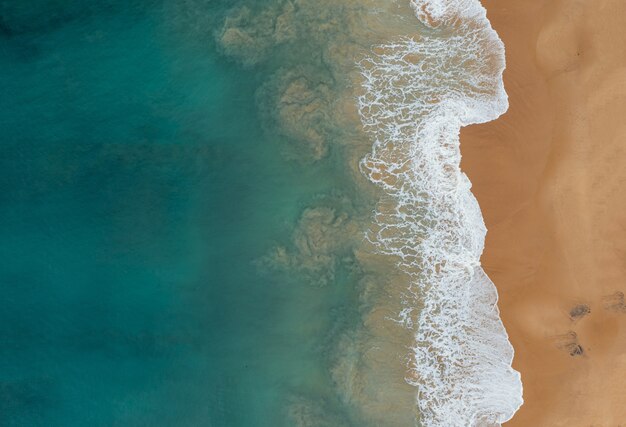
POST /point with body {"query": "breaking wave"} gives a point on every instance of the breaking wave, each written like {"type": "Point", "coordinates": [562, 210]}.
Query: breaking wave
{"type": "Point", "coordinates": [418, 91]}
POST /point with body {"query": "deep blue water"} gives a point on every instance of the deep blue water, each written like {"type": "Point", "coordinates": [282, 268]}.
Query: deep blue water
{"type": "Point", "coordinates": [137, 189]}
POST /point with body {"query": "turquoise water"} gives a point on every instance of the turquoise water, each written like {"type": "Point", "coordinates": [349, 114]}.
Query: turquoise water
{"type": "Point", "coordinates": [139, 193]}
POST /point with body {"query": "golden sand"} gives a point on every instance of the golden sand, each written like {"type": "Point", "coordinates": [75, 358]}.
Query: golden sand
{"type": "Point", "coordinates": [550, 176]}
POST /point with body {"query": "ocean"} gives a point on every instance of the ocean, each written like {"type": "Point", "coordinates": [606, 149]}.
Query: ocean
{"type": "Point", "coordinates": [189, 235]}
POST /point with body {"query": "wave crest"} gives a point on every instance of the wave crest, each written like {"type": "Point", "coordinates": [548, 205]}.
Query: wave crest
{"type": "Point", "coordinates": [418, 92]}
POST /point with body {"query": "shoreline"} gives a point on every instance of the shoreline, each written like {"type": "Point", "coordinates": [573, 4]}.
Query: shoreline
{"type": "Point", "coordinates": [547, 175]}
{"type": "Point", "coordinates": [430, 222]}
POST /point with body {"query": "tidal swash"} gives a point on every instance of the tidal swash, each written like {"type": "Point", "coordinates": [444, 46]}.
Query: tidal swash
{"type": "Point", "coordinates": [246, 213]}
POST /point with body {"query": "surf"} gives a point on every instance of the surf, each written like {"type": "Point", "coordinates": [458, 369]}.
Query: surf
{"type": "Point", "coordinates": [418, 91]}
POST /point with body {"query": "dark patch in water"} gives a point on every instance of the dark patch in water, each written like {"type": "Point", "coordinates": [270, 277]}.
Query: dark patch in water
{"type": "Point", "coordinates": [5, 30]}
{"type": "Point", "coordinates": [23, 395]}
{"type": "Point", "coordinates": [43, 16]}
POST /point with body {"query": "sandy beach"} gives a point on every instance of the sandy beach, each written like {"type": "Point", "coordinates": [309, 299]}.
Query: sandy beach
{"type": "Point", "coordinates": [549, 176]}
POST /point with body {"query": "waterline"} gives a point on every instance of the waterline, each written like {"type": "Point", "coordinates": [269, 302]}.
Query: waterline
{"type": "Point", "coordinates": [419, 92]}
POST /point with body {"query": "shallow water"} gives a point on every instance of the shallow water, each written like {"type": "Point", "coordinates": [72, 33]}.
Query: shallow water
{"type": "Point", "coordinates": [183, 221]}
{"type": "Point", "coordinates": [139, 196]}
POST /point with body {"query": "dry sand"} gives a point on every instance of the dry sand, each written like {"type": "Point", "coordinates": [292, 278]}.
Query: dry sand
{"type": "Point", "coordinates": [550, 176]}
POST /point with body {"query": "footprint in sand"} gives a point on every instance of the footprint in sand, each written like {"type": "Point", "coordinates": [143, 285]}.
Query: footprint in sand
{"type": "Point", "coordinates": [569, 343]}
{"type": "Point", "coordinates": [579, 311]}
{"type": "Point", "coordinates": [615, 302]}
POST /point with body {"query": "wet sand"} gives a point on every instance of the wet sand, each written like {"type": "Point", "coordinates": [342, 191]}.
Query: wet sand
{"type": "Point", "coordinates": [550, 177]}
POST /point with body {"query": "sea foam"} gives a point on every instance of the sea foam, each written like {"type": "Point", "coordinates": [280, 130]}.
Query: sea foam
{"type": "Point", "coordinates": [418, 92]}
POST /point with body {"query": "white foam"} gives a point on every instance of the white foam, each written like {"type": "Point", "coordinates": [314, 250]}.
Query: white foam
{"type": "Point", "coordinates": [437, 12]}
{"type": "Point", "coordinates": [419, 91]}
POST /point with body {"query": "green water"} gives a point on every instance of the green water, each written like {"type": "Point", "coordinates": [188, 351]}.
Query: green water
{"type": "Point", "coordinates": [141, 191]}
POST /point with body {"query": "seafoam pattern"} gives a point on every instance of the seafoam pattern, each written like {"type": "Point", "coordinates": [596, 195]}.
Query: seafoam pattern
{"type": "Point", "coordinates": [418, 92]}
